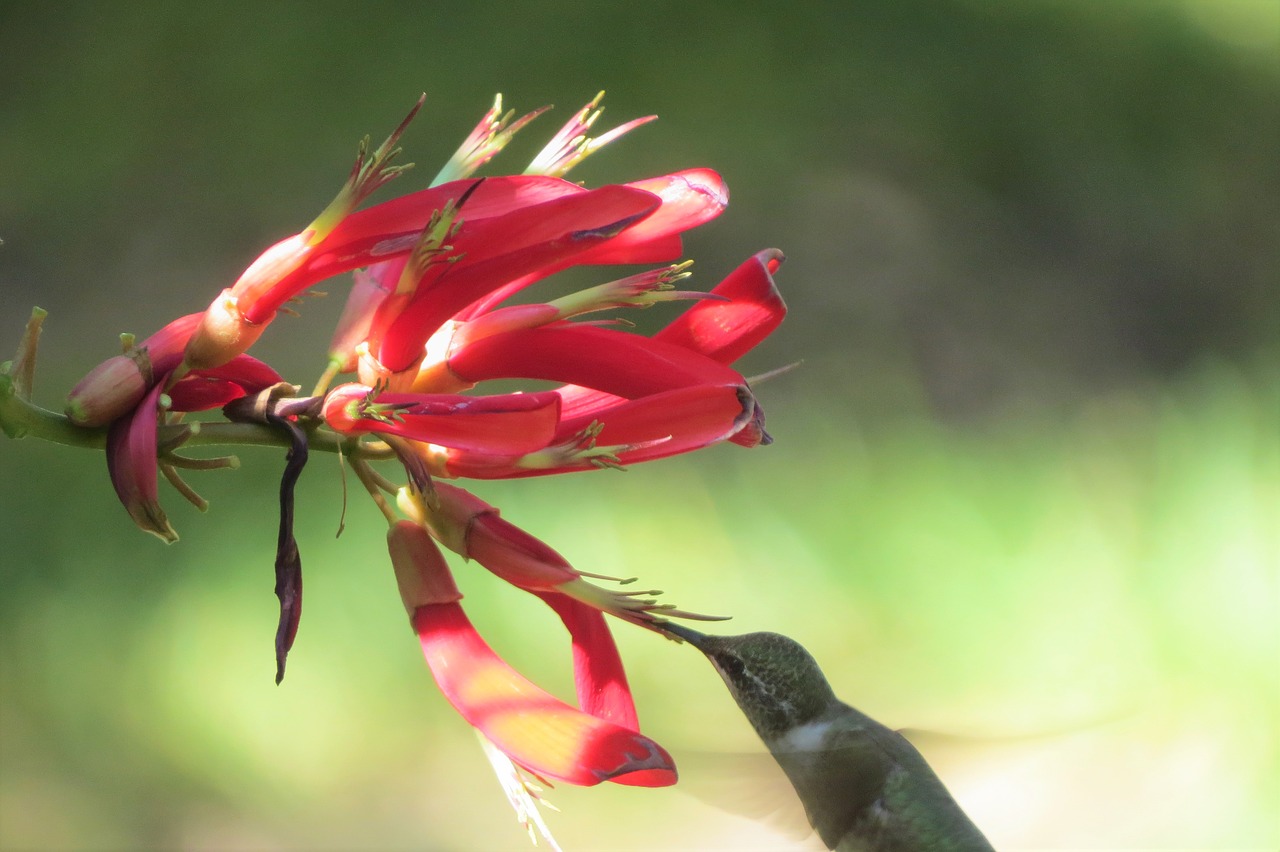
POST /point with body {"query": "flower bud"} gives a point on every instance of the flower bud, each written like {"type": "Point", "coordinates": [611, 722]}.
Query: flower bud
{"type": "Point", "coordinates": [116, 386]}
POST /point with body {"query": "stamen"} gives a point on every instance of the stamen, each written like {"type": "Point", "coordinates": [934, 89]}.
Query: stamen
{"type": "Point", "coordinates": [489, 137]}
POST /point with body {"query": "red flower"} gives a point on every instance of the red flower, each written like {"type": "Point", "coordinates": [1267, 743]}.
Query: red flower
{"type": "Point", "coordinates": [536, 730]}
{"type": "Point", "coordinates": [427, 322]}
{"type": "Point", "coordinates": [624, 398]}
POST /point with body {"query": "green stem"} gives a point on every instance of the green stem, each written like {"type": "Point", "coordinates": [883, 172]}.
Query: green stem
{"type": "Point", "coordinates": [20, 418]}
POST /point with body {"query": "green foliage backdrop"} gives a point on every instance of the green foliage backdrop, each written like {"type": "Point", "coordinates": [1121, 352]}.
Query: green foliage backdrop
{"type": "Point", "coordinates": [1025, 486]}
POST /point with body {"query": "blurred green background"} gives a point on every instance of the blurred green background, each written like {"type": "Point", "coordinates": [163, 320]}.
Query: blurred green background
{"type": "Point", "coordinates": [1025, 489]}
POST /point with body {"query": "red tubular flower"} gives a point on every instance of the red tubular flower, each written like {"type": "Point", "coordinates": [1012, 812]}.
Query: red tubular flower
{"type": "Point", "coordinates": [748, 312]}
{"type": "Point", "coordinates": [615, 362]}
{"type": "Point", "coordinates": [536, 730]}
{"type": "Point", "coordinates": [689, 198]}
{"type": "Point", "coordinates": [510, 423]}
{"type": "Point", "coordinates": [426, 321]}
{"type": "Point", "coordinates": [532, 727]}
{"type": "Point", "coordinates": [724, 329]}
{"type": "Point", "coordinates": [621, 433]}
{"type": "Point", "coordinates": [383, 232]}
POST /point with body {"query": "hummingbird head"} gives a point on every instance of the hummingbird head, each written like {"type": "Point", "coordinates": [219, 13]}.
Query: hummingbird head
{"type": "Point", "coordinates": [775, 681]}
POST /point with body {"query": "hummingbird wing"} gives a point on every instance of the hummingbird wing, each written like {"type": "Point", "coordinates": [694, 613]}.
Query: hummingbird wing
{"type": "Point", "coordinates": [747, 784]}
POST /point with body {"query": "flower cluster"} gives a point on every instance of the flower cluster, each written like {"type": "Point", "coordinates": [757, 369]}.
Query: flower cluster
{"type": "Point", "coordinates": [428, 321]}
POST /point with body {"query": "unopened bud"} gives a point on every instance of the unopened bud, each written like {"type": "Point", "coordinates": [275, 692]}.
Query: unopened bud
{"type": "Point", "coordinates": [116, 386]}
{"type": "Point", "coordinates": [110, 390]}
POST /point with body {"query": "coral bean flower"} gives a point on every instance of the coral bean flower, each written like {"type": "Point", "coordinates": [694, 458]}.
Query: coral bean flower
{"type": "Point", "coordinates": [429, 321]}
{"type": "Point", "coordinates": [624, 398]}
{"type": "Point", "coordinates": [537, 731]}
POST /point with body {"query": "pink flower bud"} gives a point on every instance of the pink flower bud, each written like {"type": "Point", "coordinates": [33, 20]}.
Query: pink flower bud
{"type": "Point", "coordinates": [117, 385]}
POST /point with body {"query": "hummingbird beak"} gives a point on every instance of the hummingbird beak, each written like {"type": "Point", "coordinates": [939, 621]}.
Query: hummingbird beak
{"type": "Point", "coordinates": [679, 631]}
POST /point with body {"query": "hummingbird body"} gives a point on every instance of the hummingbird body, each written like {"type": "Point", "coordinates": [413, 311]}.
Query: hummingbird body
{"type": "Point", "coordinates": [864, 787]}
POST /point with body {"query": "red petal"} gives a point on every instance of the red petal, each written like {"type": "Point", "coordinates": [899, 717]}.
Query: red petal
{"type": "Point", "coordinates": [667, 424]}
{"type": "Point", "coordinates": [597, 666]}
{"type": "Point", "coordinates": [496, 251]}
{"type": "Point", "coordinates": [507, 423]}
{"type": "Point", "coordinates": [532, 727]}
{"type": "Point", "coordinates": [689, 198]}
{"type": "Point", "coordinates": [727, 330]}
{"type": "Point", "coordinates": [615, 362]}
{"type": "Point", "coordinates": [390, 229]}
{"type": "Point", "coordinates": [201, 390]}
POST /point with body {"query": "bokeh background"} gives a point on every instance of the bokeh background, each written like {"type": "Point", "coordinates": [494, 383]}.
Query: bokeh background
{"type": "Point", "coordinates": [1025, 491]}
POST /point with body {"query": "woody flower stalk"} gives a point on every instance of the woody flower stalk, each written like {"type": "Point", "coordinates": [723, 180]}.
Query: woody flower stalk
{"type": "Point", "coordinates": [428, 322]}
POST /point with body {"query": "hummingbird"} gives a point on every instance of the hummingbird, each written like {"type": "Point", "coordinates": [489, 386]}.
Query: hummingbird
{"type": "Point", "coordinates": [864, 787]}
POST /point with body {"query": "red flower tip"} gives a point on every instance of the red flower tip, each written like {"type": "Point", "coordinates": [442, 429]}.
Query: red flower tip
{"type": "Point", "coordinates": [750, 310]}
{"type": "Point", "coordinates": [689, 199]}
{"type": "Point", "coordinates": [532, 727]}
